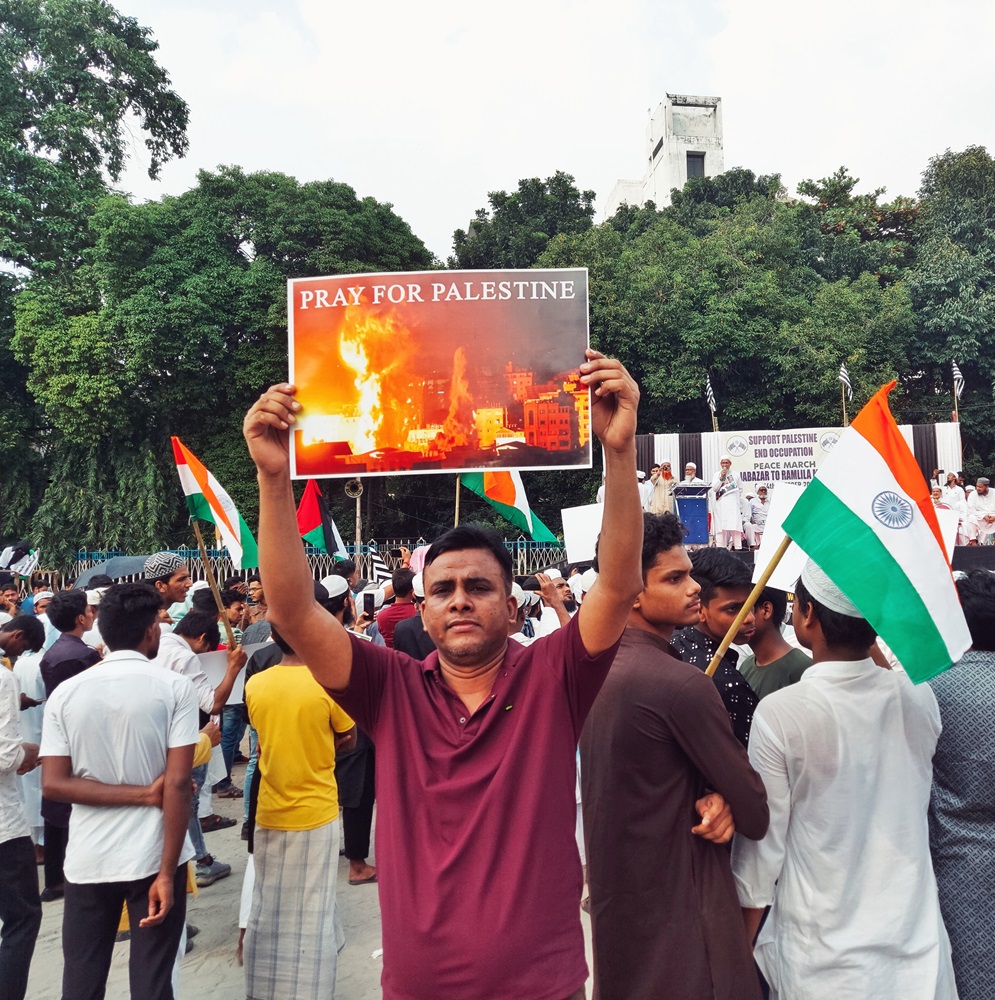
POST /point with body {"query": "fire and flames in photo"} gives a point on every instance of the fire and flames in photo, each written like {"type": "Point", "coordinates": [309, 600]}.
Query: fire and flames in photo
{"type": "Point", "coordinates": [439, 371]}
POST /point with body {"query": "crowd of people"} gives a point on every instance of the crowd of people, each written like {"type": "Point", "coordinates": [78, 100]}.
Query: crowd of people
{"type": "Point", "coordinates": [805, 824]}
{"type": "Point", "coordinates": [736, 516]}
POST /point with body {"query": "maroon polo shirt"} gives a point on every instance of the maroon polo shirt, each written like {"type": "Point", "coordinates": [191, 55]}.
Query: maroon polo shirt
{"type": "Point", "coordinates": [479, 876]}
{"type": "Point", "coordinates": [389, 617]}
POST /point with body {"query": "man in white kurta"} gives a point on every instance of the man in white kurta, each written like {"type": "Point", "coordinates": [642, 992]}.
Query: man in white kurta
{"type": "Point", "coordinates": [724, 501]}
{"type": "Point", "coordinates": [845, 755]}
{"type": "Point", "coordinates": [981, 508]}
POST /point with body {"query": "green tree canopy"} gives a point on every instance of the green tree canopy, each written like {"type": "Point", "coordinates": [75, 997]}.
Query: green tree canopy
{"type": "Point", "coordinates": [173, 322]}
{"type": "Point", "coordinates": [74, 75]}
{"type": "Point", "coordinates": [518, 226]}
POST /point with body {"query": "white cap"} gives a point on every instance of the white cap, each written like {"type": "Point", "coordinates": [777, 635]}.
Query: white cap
{"type": "Point", "coordinates": [690, 465]}
{"type": "Point", "coordinates": [640, 474]}
{"type": "Point", "coordinates": [93, 596]}
{"type": "Point", "coordinates": [575, 583]}
{"type": "Point", "coordinates": [335, 585]}
{"type": "Point", "coordinates": [587, 579]}
{"type": "Point", "coordinates": [418, 585]}
{"type": "Point", "coordinates": [552, 573]}
{"type": "Point", "coordinates": [4, 618]}
{"type": "Point", "coordinates": [199, 585]}
{"type": "Point", "coordinates": [42, 594]}
{"type": "Point", "coordinates": [518, 594]}
{"type": "Point", "coordinates": [826, 592]}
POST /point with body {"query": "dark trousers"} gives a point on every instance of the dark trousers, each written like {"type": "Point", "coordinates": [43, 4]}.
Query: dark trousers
{"type": "Point", "coordinates": [56, 838]}
{"type": "Point", "coordinates": [20, 914]}
{"type": "Point", "coordinates": [357, 820]}
{"type": "Point", "coordinates": [233, 723]}
{"type": "Point", "coordinates": [89, 926]}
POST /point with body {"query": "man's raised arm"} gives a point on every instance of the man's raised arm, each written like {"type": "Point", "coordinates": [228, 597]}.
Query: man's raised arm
{"type": "Point", "coordinates": [614, 400]}
{"type": "Point", "coordinates": [317, 638]}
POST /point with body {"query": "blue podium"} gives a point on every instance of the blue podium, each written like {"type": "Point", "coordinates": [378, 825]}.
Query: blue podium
{"type": "Point", "coordinates": [692, 509]}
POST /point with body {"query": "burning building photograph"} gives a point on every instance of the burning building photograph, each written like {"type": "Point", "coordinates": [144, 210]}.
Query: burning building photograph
{"type": "Point", "coordinates": [439, 371]}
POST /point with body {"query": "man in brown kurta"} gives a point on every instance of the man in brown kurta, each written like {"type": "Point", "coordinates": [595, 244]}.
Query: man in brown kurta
{"type": "Point", "coordinates": [664, 909]}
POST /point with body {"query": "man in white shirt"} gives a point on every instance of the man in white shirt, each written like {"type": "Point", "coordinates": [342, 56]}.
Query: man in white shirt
{"type": "Point", "coordinates": [845, 755]}
{"type": "Point", "coordinates": [118, 744]}
{"type": "Point", "coordinates": [20, 904]}
{"type": "Point", "coordinates": [981, 509]}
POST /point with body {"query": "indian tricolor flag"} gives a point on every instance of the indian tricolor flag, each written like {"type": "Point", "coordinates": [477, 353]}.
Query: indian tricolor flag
{"type": "Point", "coordinates": [506, 494]}
{"type": "Point", "coordinates": [867, 521]}
{"type": "Point", "coordinates": [209, 502]}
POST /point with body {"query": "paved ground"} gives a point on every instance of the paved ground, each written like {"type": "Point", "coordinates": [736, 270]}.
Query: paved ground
{"type": "Point", "coordinates": [210, 971]}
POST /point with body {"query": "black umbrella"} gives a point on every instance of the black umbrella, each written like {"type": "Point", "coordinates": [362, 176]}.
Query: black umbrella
{"type": "Point", "coordinates": [116, 568]}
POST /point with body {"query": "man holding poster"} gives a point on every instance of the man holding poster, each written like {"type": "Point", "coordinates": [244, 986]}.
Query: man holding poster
{"type": "Point", "coordinates": [480, 880]}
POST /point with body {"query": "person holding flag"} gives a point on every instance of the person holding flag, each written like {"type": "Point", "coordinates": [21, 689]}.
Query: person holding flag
{"type": "Point", "coordinates": [845, 755]}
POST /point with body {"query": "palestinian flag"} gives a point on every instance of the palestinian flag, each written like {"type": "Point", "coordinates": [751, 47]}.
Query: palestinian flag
{"type": "Point", "coordinates": [315, 522]}
{"type": "Point", "coordinates": [506, 494]}
{"type": "Point", "coordinates": [867, 521]}
{"type": "Point", "coordinates": [208, 501]}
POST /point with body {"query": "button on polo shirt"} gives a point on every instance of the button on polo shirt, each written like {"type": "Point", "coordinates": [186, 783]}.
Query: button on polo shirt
{"type": "Point", "coordinates": [480, 880]}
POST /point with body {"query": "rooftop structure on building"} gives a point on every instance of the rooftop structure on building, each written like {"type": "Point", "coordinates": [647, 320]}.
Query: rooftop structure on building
{"type": "Point", "coordinates": [683, 140]}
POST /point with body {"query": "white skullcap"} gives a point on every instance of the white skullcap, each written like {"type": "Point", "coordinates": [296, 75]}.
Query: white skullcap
{"type": "Point", "coordinates": [826, 592]}
{"type": "Point", "coordinates": [518, 594]}
{"type": "Point", "coordinates": [4, 618]}
{"type": "Point", "coordinates": [725, 458]}
{"type": "Point", "coordinates": [587, 579]}
{"type": "Point", "coordinates": [418, 585]}
{"type": "Point", "coordinates": [690, 465]}
{"type": "Point", "coordinates": [553, 573]}
{"type": "Point", "coordinates": [42, 594]}
{"type": "Point", "coordinates": [93, 596]}
{"type": "Point", "coordinates": [335, 585]}
{"type": "Point", "coordinates": [199, 585]}
{"type": "Point", "coordinates": [640, 474]}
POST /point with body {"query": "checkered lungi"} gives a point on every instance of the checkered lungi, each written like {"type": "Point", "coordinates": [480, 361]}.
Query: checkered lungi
{"type": "Point", "coordinates": [294, 933]}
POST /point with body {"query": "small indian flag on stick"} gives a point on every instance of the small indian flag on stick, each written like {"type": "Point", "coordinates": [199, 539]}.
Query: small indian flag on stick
{"type": "Point", "coordinates": [506, 494]}
{"type": "Point", "coordinates": [867, 521]}
{"type": "Point", "coordinates": [209, 502]}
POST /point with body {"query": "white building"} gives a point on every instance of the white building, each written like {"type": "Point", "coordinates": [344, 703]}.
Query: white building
{"type": "Point", "coordinates": [683, 139]}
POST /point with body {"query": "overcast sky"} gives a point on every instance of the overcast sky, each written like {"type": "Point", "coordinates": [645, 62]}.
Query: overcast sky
{"type": "Point", "coordinates": [430, 106]}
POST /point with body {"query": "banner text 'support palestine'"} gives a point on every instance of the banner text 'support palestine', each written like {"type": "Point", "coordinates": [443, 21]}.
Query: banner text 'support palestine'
{"type": "Point", "coordinates": [771, 457]}
{"type": "Point", "coordinates": [439, 371]}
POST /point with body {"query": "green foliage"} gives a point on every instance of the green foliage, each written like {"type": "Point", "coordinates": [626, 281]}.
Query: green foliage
{"type": "Point", "coordinates": [75, 76]}
{"type": "Point", "coordinates": [952, 288]}
{"type": "Point", "coordinates": [726, 283]}
{"type": "Point", "coordinates": [518, 226]}
{"type": "Point", "coordinates": [172, 325]}
{"type": "Point", "coordinates": [857, 233]}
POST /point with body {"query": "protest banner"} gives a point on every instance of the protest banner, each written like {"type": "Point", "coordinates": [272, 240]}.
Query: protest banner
{"type": "Point", "coordinates": [581, 527]}
{"type": "Point", "coordinates": [439, 371]}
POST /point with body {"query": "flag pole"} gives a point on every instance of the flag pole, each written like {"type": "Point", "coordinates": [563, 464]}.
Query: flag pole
{"type": "Point", "coordinates": [456, 518]}
{"type": "Point", "coordinates": [715, 423]}
{"type": "Point", "coordinates": [956, 410]}
{"type": "Point", "coordinates": [213, 584]}
{"type": "Point", "coordinates": [748, 606]}
{"type": "Point", "coordinates": [843, 400]}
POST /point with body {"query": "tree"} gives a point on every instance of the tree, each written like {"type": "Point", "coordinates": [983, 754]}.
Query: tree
{"type": "Point", "coordinates": [172, 323]}
{"type": "Point", "coordinates": [518, 226]}
{"type": "Point", "coordinates": [74, 74]}
{"type": "Point", "coordinates": [858, 233]}
{"type": "Point", "coordinates": [952, 288]}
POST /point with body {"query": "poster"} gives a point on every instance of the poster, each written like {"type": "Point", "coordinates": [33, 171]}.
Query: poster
{"type": "Point", "coordinates": [439, 371]}
{"type": "Point", "coordinates": [581, 527]}
{"type": "Point", "coordinates": [215, 666]}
